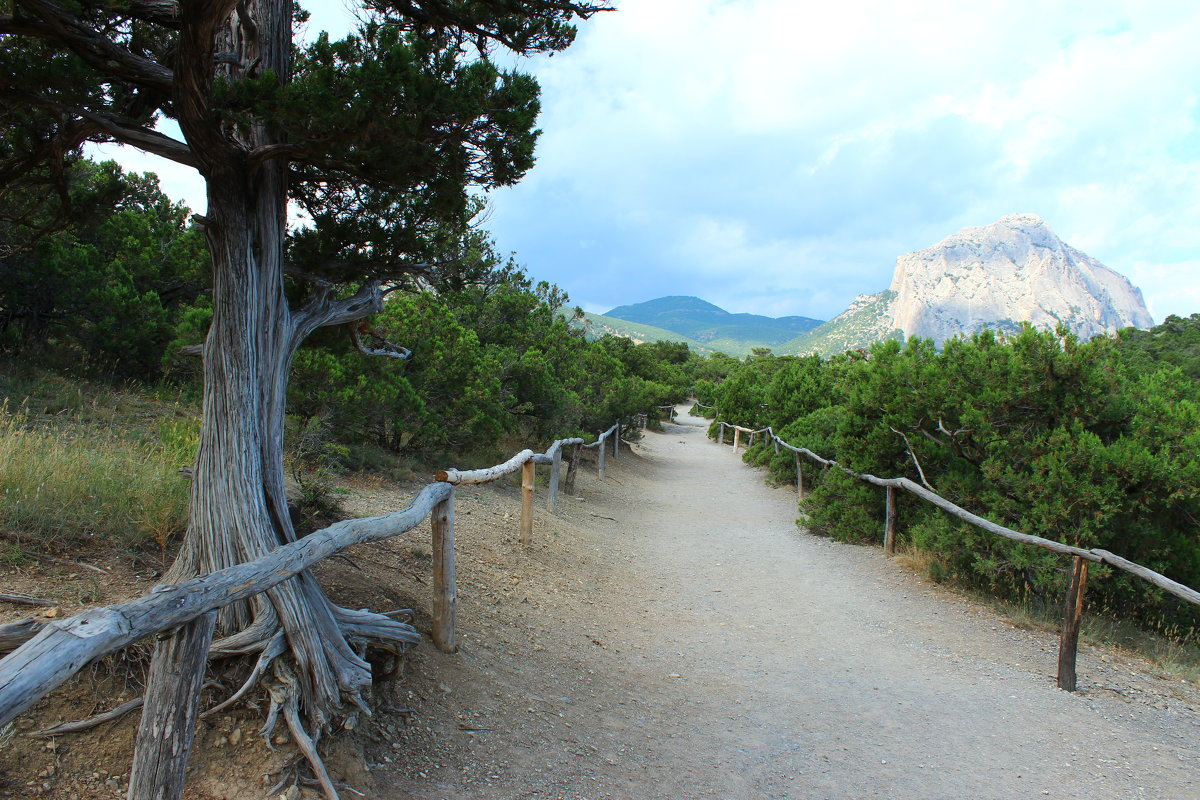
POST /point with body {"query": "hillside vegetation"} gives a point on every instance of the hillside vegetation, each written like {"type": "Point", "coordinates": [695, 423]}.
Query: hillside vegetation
{"type": "Point", "coordinates": [1094, 444]}
{"type": "Point", "coordinates": [101, 408]}
{"type": "Point", "coordinates": [712, 326]}
{"type": "Point", "coordinates": [595, 326]}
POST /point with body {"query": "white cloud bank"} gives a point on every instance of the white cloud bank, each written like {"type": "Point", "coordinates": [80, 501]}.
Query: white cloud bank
{"type": "Point", "coordinates": [769, 154]}
{"type": "Point", "coordinates": [776, 156]}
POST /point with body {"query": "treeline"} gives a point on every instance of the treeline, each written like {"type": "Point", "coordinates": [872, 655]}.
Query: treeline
{"type": "Point", "coordinates": [1090, 443]}
{"type": "Point", "coordinates": [117, 285]}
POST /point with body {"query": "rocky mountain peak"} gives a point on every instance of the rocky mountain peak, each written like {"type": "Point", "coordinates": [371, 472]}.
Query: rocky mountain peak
{"type": "Point", "coordinates": [993, 276]}
{"type": "Point", "coordinates": [1011, 271]}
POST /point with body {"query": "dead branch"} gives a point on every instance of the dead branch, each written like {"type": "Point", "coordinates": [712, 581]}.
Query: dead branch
{"type": "Point", "coordinates": [382, 347]}
{"type": "Point", "coordinates": [89, 723]}
{"type": "Point", "coordinates": [25, 600]}
{"type": "Point", "coordinates": [913, 455]}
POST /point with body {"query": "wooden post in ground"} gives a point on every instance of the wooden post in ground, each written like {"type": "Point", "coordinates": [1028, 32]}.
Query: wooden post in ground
{"type": "Point", "coordinates": [1068, 644]}
{"type": "Point", "coordinates": [555, 473]}
{"type": "Point", "coordinates": [751, 444]}
{"type": "Point", "coordinates": [737, 439]}
{"type": "Point", "coordinates": [721, 433]}
{"type": "Point", "coordinates": [601, 449]}
{"type": "Point", "coordinates": [572, 468]}
{"type": "Point", "coordinates": [799, 478]}
{"type": "Point", "coordinates": [617, 440]}
{"type": "Point", "coordinates": [889, 532]}
{"type": "Point", "coordinates": [527, 474]}
{"type": "Point", "coordinates": [164, 737]}
{"type": "Point", "coordinates": [776, 443]}
{"type": "Point", "coordinates": [445, 582]}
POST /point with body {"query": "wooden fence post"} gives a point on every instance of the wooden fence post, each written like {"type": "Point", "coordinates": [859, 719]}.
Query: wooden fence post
{"type": "Point", "coordinates": [737, 439]}
{"type": "Point", "coordinates": [168, 726]}
{"type": "Point", "coordinates": [776, 443]}
{"type": "Point", "coordinates": [617, 440]}
{"type": "Point", "coordinates": [1068, 644]}
{"type": "Point", "coordinates": [721, 433]}
{"type": "Point", "coordinates": [555, 474]}
{"type": "Point", "coordinates": [445, 582]}
{"type": "Point", "coordinates": [601, 449]}
{"type": "Point", "coordinates": [751, 444]}
{"type": "Point", "coordinates": [799, 478]}
{"type": "Point", "coordinates": [527, 474]}
{"type": "Point", "coordinates": [889, 533]}
{"type": "Point", "coordinates": [572, 468]}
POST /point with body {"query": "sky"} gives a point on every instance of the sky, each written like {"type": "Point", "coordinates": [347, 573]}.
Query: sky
{"type": "Point", "coordinates": [777, 156]}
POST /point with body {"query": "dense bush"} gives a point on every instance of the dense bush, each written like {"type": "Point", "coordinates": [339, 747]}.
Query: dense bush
{"type": "Point", "coordinates": [487, 360]}
{"type": "Point", "coordinates": [1093, 444]}
{"type": "Point", "coordinates": [106, 287]}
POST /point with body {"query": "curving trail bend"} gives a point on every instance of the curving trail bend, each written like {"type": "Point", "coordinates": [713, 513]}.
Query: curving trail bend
{"type": "Point", "coordinates": [677, 636]}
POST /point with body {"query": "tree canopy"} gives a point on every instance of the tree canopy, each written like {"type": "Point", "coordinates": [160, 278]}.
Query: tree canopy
{"type": "Point", "coordinates": [381, 137]}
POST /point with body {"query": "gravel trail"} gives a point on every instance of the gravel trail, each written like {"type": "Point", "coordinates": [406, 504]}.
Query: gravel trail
{"type": "Point", "coordinates": [677, 636]}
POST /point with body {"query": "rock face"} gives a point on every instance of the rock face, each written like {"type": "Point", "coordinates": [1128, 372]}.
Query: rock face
{"type": "Point", "coordinates": [1012, 271]}
{"type": "Point", "coordinates": [994, 276]}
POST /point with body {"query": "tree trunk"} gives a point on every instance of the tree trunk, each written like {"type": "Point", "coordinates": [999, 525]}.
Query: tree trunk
{"type": "Point", "coordinates": [238, 504]}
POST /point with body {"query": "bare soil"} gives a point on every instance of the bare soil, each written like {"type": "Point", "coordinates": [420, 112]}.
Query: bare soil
{"type": "Point", "coordinates": [671, 633]}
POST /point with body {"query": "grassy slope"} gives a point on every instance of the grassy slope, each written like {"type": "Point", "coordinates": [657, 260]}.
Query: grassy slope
{"type": "Point", "coordinates": [736, 334]}
{"type": "Point", "coordinates": [857, 327]}
{"type": "Point", "coordinates": [598, 325]}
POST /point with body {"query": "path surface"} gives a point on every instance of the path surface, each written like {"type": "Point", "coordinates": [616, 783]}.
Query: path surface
{"type": "Point", "coordinates": [676, 636]}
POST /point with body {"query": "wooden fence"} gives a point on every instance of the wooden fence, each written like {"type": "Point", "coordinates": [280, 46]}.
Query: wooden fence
{"type": "Point", "coordinates": [1073, 606]}
{"type": "Point", "coordinates": [45, 656]}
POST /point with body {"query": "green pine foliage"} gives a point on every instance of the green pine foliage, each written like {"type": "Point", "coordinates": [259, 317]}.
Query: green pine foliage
{"type": "Point", "coordinates": [1092, 444]}
{"type": "Point", "coordinates": [488, 360]}
{"type": "Point", "coordinates": [106, 290]}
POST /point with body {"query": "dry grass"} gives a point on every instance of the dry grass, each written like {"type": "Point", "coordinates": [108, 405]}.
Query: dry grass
{"type": "Point", "coordinates": [75, 482]}
{"type": "Point", "coordinates": [1173, 654]}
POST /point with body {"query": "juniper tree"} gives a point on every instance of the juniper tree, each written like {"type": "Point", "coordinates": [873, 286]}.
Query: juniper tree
{"type": "Point", "coordinates": [378, 136]}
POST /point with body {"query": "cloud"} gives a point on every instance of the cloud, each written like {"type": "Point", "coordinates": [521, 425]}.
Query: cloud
{"type": "Point", "coordinates": [725, 147]}
{"type": "Point", "coordinates": [768, 154]}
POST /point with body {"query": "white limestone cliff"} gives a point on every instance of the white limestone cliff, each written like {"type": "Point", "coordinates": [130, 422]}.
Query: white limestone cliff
{"type": "Point", "coordinates": [993, 276]}
{"type": "Point", "coordinates": [1014, 270]}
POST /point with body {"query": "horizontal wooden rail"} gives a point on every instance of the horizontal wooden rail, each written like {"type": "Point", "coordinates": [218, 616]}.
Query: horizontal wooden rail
{"type": "Point", "coordinates": [600, 439]}
{"type": "Point", "coordinates": [62, 648]}
{"type": "Point", "coordinates": [47, 655]}
{"type": "Point", "coordinates": [1074, 605]}
{"type": "Point", "coordinates": [615, 430]}
{"type": "Point", "coordinates": [487, 475]}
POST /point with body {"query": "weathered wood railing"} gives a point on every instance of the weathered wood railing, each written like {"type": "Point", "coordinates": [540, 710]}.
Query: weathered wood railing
{"type": "Point", "coordinates": [602, 447]}
{"type": "Point", "coordinates": [45, 656]}
{"type": "Point", "coordinates": [1073, 606]}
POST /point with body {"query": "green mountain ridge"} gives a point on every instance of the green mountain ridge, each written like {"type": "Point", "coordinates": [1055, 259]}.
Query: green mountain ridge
{"type": "Point", "coordinates": [596, 325]}
{"type": "Point", "coordinates": [712, 325]}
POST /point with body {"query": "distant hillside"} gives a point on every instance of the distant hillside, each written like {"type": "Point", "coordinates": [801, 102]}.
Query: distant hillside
{"type": "Point", "coordinates": [735, 334]}
{"type": "Point", "coordinates": [866, 320]}
{"type": "Point", "coordinates": [994, 276]}
{"type": "Point", "coordinates": [597, 325]}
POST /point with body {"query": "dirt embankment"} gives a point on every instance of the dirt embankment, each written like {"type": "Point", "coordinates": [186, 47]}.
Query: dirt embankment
{"type": "Point", "coordinates": [672, 634]}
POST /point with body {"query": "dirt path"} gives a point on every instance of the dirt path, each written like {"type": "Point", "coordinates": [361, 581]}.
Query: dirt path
{"type": "Point", "coordinates": [670, 635]}
{"type": "Point", "coordinates": [676, 636]}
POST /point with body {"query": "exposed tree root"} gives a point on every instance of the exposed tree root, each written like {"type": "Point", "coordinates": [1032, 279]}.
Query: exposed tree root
{"type": "Point", "coordinates": [277, 669]}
